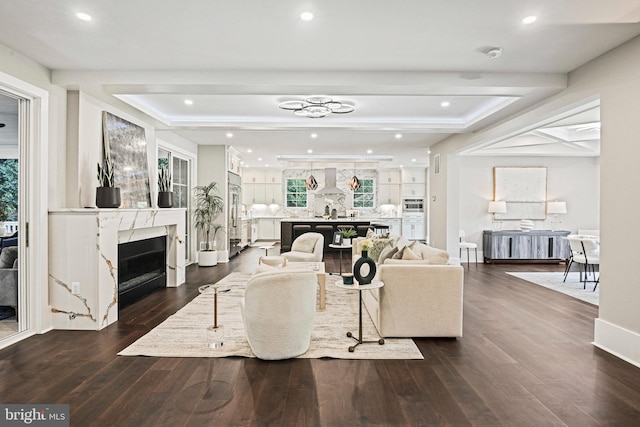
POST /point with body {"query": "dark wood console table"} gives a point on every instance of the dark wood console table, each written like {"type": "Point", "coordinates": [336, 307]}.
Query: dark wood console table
{"type": "Point", "coordinates": [525, 246]}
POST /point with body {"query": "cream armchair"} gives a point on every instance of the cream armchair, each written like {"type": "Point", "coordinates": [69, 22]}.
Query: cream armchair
{"type": "Point", "coordinates": [308, 247]}
{"type": "Point", "coordinates": [278, 311]}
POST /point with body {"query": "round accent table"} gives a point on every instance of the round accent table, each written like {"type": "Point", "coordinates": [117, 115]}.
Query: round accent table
{"type": "Point", "coordinates": [355, 287]}
{"type": "Point", "coordinates": [215, 332]}
{"type": "Point", "coordinates": [340, 248]}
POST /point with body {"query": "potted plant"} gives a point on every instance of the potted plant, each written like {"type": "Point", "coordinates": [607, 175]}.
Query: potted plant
{"type": "Point", "coordinates": [107, 194]}
{"type": "Point", "coordinates": [347, 235]}
{"type": "Point", "coordinates": [208, 206]}
{"type": "Point", "coordinates": [165, 195]}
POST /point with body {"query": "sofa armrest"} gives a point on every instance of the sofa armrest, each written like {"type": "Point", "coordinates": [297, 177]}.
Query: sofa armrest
{"type": "Point", "coordinates": [420, 300]}
{"type": "Point", "coordinates": [9, 286]}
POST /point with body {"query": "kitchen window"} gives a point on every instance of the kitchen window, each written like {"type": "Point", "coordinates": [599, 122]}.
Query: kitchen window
{"type": "Point", "coordinates": [296, 193]}
{"type": "Point", "coordinates": [364, 196]}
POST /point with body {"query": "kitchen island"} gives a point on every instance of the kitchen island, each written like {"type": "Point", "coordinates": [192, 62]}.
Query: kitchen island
{"type": "Point", "coordinates": [290, 228]}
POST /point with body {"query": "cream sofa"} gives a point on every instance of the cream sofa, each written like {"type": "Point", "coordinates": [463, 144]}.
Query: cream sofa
{"type": "Point", "coordinates": [420, 297]}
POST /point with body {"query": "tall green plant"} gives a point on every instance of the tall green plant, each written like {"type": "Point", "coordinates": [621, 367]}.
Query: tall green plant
{"type": "Point", "coordinates": [209, 205]}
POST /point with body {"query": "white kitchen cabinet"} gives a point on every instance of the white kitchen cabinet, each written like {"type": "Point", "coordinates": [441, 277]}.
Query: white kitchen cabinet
{"type": "Point", "coordinates": [269, 228]}
{"type": "Point", "coordinates": [245, 229]}
{"type": "Point", "coordinates": [413, 176]}
{"type": "Point", "coordinates": [273, 194]}
{"type": "Point", "coordinates": [253, 176]}
{"type": "Point", "coordinates": [413, 230]}
{"type": "Point", "coordinates": [388, 194]}
{"type": "Point", "coordinates": [273, 176]}
{"type": "Point", "coordinates": [253, 193]}
{"type": "Point", "coordinates": [394, 224]}
{"type": "Point", "coordinates": [389, 177]}
{"type": "Point", "coordinates": [414, 190]}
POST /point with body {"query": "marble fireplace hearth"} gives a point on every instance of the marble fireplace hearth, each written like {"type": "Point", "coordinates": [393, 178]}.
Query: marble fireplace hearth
{"type": "Point", "coordinates": [83, 258]}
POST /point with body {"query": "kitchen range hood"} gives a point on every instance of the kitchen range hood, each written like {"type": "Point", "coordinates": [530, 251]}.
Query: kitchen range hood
{"type": "Point", "coordinates": [330, 183]}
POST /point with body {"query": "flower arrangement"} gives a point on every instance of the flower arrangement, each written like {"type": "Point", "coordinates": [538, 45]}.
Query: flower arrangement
{"type": "Point", "coordinates": [366, 244]}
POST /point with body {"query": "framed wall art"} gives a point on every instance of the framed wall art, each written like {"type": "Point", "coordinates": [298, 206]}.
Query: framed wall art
{"type": "Point", "coordinates": [524, 189]}
{"type": "Point", "coordinates": [125, 142]}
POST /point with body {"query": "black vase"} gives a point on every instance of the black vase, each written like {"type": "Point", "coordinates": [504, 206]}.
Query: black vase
{"type": "Point", "coordinates": [165, 199]}
{"type": "Point", "coordinates": [108, 197]}
{"type": "Point", "coordinates": [357, 267]}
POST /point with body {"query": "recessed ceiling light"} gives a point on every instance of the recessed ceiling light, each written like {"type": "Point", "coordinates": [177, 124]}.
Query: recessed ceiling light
{"type": "Point", "coordinates": [309, 151]}
{"type": "Point", "coordinates": [306, 16]}
{"type": "Point", "coordinates": [530, 19]}
{"type": "Point", "coordinates": [267, 165]}
{"type": "Point", "coordinates": [413, 160]}
{"type": "Point", "coordinates": [314, 135]}
{"type": "Point", "coordinates": [445, 103]}
{"type": "Point", "coordinates": [401, 166]}
{"type": "Point", "coordinates": [83, 16]}
{"type": "Point", "coordinates": [188, 102]}
{"type": "Point", "coordinates": [369, 151]}
{"type": "Point", "coordinates": [249, 150]}
{"type": "Point", "coordinates": [398, 135]}
{"type": "Point", "coordinates": [259, 159]}
{"type": "Point", "coordinates": [229, 135]}
{"type": "Point", "coordinates": [429, 152]}
{"type": "Point", "coordinates": [241, 162]}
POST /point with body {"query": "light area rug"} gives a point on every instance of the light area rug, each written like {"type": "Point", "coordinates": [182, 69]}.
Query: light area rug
{"type": "Point", "coordinates": [572, 287]}
{"type": "Point", "coordinates": [183, 334]}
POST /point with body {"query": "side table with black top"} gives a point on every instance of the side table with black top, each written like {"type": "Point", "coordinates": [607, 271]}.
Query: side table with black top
{"type": "Point", "coordinates": [355, 287]}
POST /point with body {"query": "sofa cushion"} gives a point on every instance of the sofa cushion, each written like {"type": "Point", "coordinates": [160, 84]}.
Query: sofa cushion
{"type": "Point", "coordinates": [391, 261]}
{"type": "Point", "coordinates": [433, 255]}
{"type": "Point", "coordinates": [8, 256]}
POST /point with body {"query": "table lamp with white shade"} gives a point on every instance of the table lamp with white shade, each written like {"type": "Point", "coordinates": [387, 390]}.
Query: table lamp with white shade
{"type": "Point", "coordinates": [556, 208]}
{"type": "Point", "coordinates": [496, 207]}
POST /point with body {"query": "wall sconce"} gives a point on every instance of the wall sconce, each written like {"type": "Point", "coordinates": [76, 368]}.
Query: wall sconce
{"type": "Point", "coordinates": [496, 207]}
{"type": "Point", "coordinates": [556, 208]}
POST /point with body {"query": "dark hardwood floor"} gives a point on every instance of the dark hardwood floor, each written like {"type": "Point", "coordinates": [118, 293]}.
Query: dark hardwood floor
{"type": "Point", "coordinates": [525, 360]}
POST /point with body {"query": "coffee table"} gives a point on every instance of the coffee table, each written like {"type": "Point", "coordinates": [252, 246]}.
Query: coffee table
{"type": "Point", "coordinates": [356, 287]}
{"type": "Point", "coordinates": [318, 267]}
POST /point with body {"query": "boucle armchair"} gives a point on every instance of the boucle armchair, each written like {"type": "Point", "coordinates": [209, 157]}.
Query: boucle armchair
{"type": "Point", "coordinates": [308, 247]}
{"type": "Point", "coordinates": [278, 311]}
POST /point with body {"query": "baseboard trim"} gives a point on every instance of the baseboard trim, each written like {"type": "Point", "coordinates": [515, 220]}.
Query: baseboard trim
{"type": "Point", "coordinates": [618, 341]}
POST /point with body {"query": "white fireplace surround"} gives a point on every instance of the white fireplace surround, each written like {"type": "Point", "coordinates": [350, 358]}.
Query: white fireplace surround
{"type": "Point", "coordinates": [83, 257]}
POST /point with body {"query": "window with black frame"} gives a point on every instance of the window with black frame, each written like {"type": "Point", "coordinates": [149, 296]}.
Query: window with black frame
{"type": "Point", "coordinates": [364, 196]}
{"type": "Point", "coordinates": [296, 193]}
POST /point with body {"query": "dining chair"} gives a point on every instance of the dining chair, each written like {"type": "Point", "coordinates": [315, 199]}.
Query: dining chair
{"type": "Point", "coordinates": [584, 252]}
{"type": "Point", "coordinates": [467, 245]}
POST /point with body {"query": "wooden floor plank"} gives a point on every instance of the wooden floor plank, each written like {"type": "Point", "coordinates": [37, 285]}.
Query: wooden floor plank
{"type": "Point", "coordinates": [525, 359]}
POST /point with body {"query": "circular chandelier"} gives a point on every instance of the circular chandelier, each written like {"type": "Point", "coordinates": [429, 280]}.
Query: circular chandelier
{"type": "Point", "coordinates": [316, 106]}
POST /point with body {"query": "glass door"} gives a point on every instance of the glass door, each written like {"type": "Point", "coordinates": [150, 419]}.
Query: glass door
{"type": "Point", "coordinates": [12, 296]}
{"type": "Point", "coordinates": [180, 172]}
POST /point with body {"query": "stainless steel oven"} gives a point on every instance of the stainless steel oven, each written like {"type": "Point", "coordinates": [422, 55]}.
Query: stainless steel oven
{"type": "Point", "coordinates": [413, 205]}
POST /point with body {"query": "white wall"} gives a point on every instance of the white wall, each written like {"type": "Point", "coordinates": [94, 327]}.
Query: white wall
{"type": "Point", "coordinates": [614, 79]}
{"type": "Point", "coordinates": [574, 180]}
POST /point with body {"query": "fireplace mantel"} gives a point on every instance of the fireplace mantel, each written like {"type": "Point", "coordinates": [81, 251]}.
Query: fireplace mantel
{"type": "Point", "coordinates": [83, 257]}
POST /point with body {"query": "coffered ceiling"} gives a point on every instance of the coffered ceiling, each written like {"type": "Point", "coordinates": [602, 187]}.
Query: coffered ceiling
{"type": "Point", "coordinates": [416, 72]}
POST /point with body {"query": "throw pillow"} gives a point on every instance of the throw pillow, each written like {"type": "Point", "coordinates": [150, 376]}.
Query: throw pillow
{"type": "Point", "coordinates": [377, 246]}
{"type": "Point", "coordinates": [398, 255]}
{"type": "Point", "coordinates": [409, 254]}
{"type": "Point", "coordinates": [8, 256]}
{"type": "Point", "coordinates": [386, 253]}
{"type": "Point", "coordinates": [432, 255]}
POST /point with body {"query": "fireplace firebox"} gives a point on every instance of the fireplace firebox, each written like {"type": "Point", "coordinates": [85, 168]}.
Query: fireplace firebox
{"type": "Point", "coordinates": [141, 268]}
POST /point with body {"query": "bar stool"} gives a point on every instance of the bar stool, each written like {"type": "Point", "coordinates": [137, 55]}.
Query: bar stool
{"type": "Point", "coordinates": [380, 228]}
{"type": "Point", "coordinates": [467, 245]}
{"type": "Point", "coordinates": [299, 230]}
